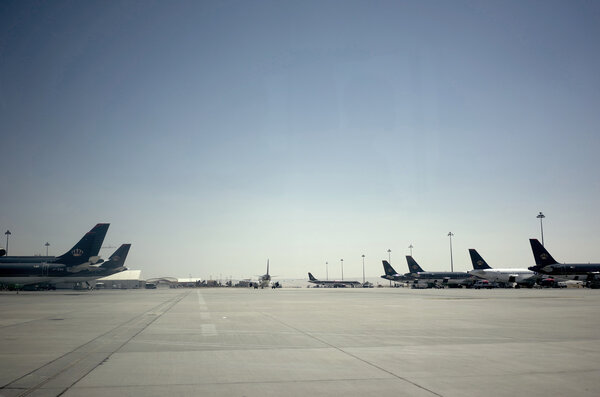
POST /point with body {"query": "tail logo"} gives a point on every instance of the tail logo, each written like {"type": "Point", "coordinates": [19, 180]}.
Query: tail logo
{"type": "Point", "coordinates": [480, 262]}
{"type": "Point", "coordinates": [77, 252]}
{"type": "Point", "coordinates": [116, 258]}
{"type": "Point", "coordinates": [415, 267]}
{"type": "Point", "coordinates": [544, 256]}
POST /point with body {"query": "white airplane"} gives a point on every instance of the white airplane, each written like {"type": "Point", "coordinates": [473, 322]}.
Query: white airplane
{"type": "Point", "coordinates": [506, 276]}
{"type": "Point", "coordinates": [265, 279]}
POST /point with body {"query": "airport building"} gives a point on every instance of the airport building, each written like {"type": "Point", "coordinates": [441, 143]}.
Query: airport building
{"type": "Point", "coordinates": [173, 282]}
{"type": "Point", "coordinates": [127, 279]}
{"type": "Point", "coordinates": [163, 281]}
{"type": "Point", "coordinates": [188, 282]}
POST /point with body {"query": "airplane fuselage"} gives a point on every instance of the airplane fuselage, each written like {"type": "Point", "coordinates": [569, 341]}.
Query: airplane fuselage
{"type": "Point", "coordinates": [31, 269]}
{"type": "Point", "coordinates": [264, 280]}
{"type": "Point", "coordinates": [335, 283]}
{"type": "Point", "coordinates": [13, 260]}
{"type": "Point", "coordinates": [400, 278]}
{"type": "Point", "coordinates": [446, 278]}
{"type": "Point", "coordinates": [562, 269]}
{"type": "Point", "coordinates": [503, 275]}
{"type": "Point", "coordinates": [48, 273]}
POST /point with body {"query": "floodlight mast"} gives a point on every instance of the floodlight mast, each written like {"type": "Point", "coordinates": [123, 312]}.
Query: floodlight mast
{"type": "Point", "coordinates": [541, 217]}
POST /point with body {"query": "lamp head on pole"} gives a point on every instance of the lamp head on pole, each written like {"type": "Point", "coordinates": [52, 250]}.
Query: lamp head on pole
{"type": "Point", "coordinates": [540, 215]}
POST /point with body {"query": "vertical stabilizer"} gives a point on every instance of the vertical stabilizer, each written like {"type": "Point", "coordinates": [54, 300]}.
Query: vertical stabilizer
{"type": "Point", "coordinates": [388, 269]}
{"type": "Point", "coordinates": [87, 247]}
{"type": "Point", "coordinates": [413, 266]}
{"type": "Point", "coordinates": [117, 259]}
{"type": "Point", "coordinates": [541, 255]}
{"type": "Point", "coordinates": [478, 262]}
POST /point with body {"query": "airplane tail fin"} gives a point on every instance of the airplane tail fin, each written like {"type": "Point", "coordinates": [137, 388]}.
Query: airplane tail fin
{"type": "Point", "coordinates": [478, 262]}
{"type": "Point", "coordinates": [86, 248]}
{"type": "Point", "coordinates": [413, 266]}
{"type": "Point", "coordinates": [311, 277]}
{"type": "Point", "coordinates": [388, 269]}
{"type": "Point", "coordinates": [541, 255]}
{"type": "Point", "coordinates": [267, 267]}
{"type": "Point", "coordinates": [117, 259]}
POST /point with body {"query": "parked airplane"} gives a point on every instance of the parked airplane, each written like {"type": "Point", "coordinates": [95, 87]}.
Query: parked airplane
{"type": "Point", "coordinates": [546, 264]}
{"type": "Point", "coordinates": [114, 264]}
{"type": "Point", "coordinates": [505, 276]}
{"type": "Point", "coordinates": [26, 270]}
{"type": "Point", "coordinates": [391, 274]}
{"type": "Point", "coordinates": [437, 279]}
{"type": "Point", "coordinates": [333, 283]}
{"type": "Point", "coordinates": [265, 279]}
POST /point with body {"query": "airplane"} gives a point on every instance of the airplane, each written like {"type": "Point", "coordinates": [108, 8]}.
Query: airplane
{"type": "Point", "coordinates": [546, 264]}
{"type": "Point", "coordinates": [333, 283]}
{"type": "Point", "coordinates": [114, 264]}
{"type": "Point", "coordinates": [505, 276]}
{"type": "Point", "coordinates": [436, 279]}
{"type": "Point", "coordinates": [26, 270]}
{"type": "Point", "coordinates": [391, 274]}
{"type": "Point", "coordinates": [265, 279]}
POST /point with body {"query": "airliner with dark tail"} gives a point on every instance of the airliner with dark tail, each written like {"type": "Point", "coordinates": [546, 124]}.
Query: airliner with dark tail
{"type": "Point", "coordinates": [114, 264]}
{"type": "Point", "coordinates": [507, 277]}
{"type": "Point", "coordinates": [546, 264]}
{"type": "Point", "coordinates": [27, 270]}
{"type": "Point", "coordinates": [437, 279]}
{"type": "Point", "coordinates": [333, 283]}
{"type": "Point", "coordinates": [393, 275]}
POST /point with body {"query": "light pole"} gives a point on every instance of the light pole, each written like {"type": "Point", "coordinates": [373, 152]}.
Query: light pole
{"type": "Point", "coordinates": [390, 261]}
{"type": "Point", "coordinates": [47, 245]}
{"type": "Point", "coordinates": [8, 233]}
{"type": "Point", "coordinates": [327, 270]}
{"type": "Point", "coordinates": [363, 268]}
{"type": "Point", "coordinates": [450, 234]}
{"type": "Point", "coordinates": [342, 262]}
{"type": "Point", "coordinates": [410, 247]}
{"type": "Point", "coordinates": [540, 217]}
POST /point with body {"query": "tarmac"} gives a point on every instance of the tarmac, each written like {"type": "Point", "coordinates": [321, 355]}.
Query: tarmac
{"type": "Point", "coordinates": [300, 342]}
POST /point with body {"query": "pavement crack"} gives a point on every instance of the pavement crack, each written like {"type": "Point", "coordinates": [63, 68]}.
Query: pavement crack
{"type": "Point", "coordinates": [83, 354]}
{"type": "Point", "coordinates": [341, 350]}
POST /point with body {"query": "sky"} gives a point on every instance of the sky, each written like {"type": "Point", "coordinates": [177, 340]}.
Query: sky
{"type": "Point", "coordinates": [214, 135]}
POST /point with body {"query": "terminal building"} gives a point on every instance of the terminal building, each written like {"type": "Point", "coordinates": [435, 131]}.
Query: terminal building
{"type": "Point", "coordinates": [174, 282]}
{"type": "Point", "coordinates": [128, 279]}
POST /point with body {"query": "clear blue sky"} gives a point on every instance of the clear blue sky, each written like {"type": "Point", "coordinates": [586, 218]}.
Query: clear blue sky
{"type": "Point", "coordinates": [213, 135]}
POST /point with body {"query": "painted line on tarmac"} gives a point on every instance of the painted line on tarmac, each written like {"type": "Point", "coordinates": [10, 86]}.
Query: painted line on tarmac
{"type": "Point", "coordinates": [207, 329]}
